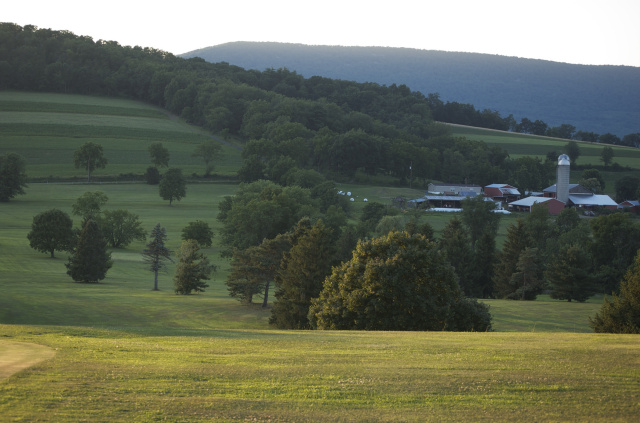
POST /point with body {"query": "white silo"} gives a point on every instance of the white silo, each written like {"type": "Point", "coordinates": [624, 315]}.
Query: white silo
{"type": "Point", "coordinates": [562, 178]}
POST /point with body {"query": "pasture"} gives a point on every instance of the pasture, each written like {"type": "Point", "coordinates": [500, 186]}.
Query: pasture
{"type": "Point", "coordinates": [126, 353]}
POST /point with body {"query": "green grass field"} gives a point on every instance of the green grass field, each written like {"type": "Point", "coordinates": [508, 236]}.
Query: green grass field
{"type": "Point", "coordinates": [126, 353]}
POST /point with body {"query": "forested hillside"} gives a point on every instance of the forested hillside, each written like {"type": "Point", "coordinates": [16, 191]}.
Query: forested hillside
{"type": "Point", "coordinates": [601, 99]}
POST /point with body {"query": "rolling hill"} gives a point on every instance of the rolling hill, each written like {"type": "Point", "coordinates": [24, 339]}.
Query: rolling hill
{"type": "Point", "coordinates": [601, 99]}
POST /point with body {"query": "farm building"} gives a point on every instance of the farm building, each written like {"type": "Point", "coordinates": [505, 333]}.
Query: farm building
{"type": "Point", "coordinates": [502, 192]}
{"type": "Point", "coordinates": [632, 205]}
{"type": "Point", "coordinates": [454, 189]}
{"type": "Point", "coordinates": [441, 201]}
{"type": "Point", "coordinates": [524, 205]}
{"type": "Point", "coordinates": [574, 189]}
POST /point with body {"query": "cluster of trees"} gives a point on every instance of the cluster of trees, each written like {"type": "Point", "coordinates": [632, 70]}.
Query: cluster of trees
{"type": "Point", "coordinates": [53, 230]}
{"type": "Point", "coordinates": [569, 256]}
{"type": "Point", "coordinates": [269, 244]}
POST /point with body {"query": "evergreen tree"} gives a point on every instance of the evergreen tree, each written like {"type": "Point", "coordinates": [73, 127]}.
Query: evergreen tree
{"type": "Point", "coordinates": [302, 271]}
{"type": "Point", "coordinates": [569, 274]}
{"type": "Point", "coordinates": [527, 280]}
{"type": "Point", "coordinates": [507, 262]}
{"type": "Point", "coordinates": [90, 260]}
{"type": "Point", "coordinates": [156, 253]}
{"type": "Point", "coordinates": [622, 313]}
{"type": "Point", "coordinates": [456, 247]}
{"type": "Point", "coordinates": [12, 176]}
{"type": "Point", "coordinates": [192, 269]}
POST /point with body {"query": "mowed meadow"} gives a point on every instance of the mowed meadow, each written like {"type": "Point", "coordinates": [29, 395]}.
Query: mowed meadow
{"type": "Point", "coordinates": [118, 351]}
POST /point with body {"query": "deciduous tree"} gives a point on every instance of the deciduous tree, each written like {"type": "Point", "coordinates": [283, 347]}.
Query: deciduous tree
{"type": "Point", "coordinates": [606, 156]}
{"type": "Point", "coordinates": [89, 205]}
{"type": "Point", "coordinates": [89, 156]}
{"type": "Point", "coordinates": [192, 269]}
{"type": "Point", "coordinates": [156, 253]}
{"type": "Point", "coordinates": [51, 230]}
{"type": "Point", "coordinates": [396, 282]}
{"type": "Point", "coordinates": [13, 177]}
{"type": "Point", "coordinates": [200, 232]}
{"type": "Point", "coordinates": [90, 260]}
{"type": "Point", "coordinates": [208, 151]}
{"type": "Point", "coordinates": [159, 155]}
{"type": "Point", "coordinates": [173, 185]}
{"type": "Point", "coordinates": [120, 227]}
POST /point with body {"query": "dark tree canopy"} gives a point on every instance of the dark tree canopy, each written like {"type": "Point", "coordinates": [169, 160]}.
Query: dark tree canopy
{"type": "Point", "coordinates": [200, 232]}
{"type": "Point", "coordinates": [396, 282]}
{"type": "Point", "coordinates": [621, 314]}
{"type": "Point", "coordinates": [173, 185]}
{"type": "Point", "coordinates": [13, 177]}
{"type": "Point", "coordinates": [90, 260]}
{"type": "Point", "coordinates": [50, 231]}
{"type": "Point", "coordinates": [192, 269]}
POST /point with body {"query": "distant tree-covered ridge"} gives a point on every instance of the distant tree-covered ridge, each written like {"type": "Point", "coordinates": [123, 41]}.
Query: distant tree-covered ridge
{"type": "Point", "coordinates": [600, 99]}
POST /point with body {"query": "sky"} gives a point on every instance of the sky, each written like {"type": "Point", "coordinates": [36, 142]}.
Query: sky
{"type": "Point", "coordinates": [602, 32]}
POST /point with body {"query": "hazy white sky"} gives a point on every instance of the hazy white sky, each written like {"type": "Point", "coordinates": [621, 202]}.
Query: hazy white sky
{"type": "Point", "coordinates": [575, 31]}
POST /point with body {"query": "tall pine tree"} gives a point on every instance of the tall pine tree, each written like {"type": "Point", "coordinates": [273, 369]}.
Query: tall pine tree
{"type": "Point", "coordinates": [192, 270]}
{"type": "Point", "coordinates": [302, 272]}
{"type": "Point", "coordinates": [156, 253]}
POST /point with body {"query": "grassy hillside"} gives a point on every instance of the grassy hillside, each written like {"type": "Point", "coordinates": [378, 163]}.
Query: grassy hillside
{"type": "Point", "coordinates": [47, 128]}
{"type": "Point", "coordinates": [126, 353]}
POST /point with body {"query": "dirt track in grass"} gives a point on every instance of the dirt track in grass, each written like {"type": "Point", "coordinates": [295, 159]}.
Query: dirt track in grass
{"type": "Point", "coordinates": [16, 356]}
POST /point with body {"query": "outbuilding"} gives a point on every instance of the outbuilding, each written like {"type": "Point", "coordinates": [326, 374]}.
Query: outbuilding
{"type": "Point", "coordinates": [526, 204]}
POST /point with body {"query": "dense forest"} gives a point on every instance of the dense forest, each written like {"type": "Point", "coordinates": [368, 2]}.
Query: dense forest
{"type": "Point", "coordinates": [600, 99]}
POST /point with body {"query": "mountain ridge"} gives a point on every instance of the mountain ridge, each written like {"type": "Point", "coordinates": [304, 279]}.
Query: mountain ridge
{"type": "Point", "coordinates": [597, 98]}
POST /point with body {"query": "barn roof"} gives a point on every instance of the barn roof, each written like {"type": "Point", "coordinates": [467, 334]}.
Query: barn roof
{"type": "Point", "coordinates": [592, 200]}
{"type": "Point", "coordinates": [530, 201]}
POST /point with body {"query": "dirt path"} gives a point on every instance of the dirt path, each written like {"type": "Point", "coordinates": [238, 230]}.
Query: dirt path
{"type": "Point", "coordinates": [16, 356]}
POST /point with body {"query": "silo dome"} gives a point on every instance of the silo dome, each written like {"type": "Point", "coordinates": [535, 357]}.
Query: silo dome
{"type": "Point", "coordinates": [563, 159]}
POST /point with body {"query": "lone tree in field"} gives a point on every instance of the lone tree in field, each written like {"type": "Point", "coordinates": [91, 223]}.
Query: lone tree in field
{"type": "Point", "coordinates": [91, 260]}
{"type": "Point", "coordinates": [396, 282]}
{"type": "Point", "coordinates": [192, 270]}
{"type": "Point", "coordinates": [159, 155]}
{"type": "Point", "coordinates": [622, 314]}
{"type": "Point", "coordinates": [208, 151]}
{"type": "Point", "coordinates": [172, 185]}
{"type": "Point", "coordinates": [12, 176]}
{"type": "Point", "coordinates": [200, 232]}
{"type": "Point", "coordinates": [89, 156]}
{"type": "Point", "coordinates": [156, 253]}
{"type": "Point", "coordinates": [51, 230]}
